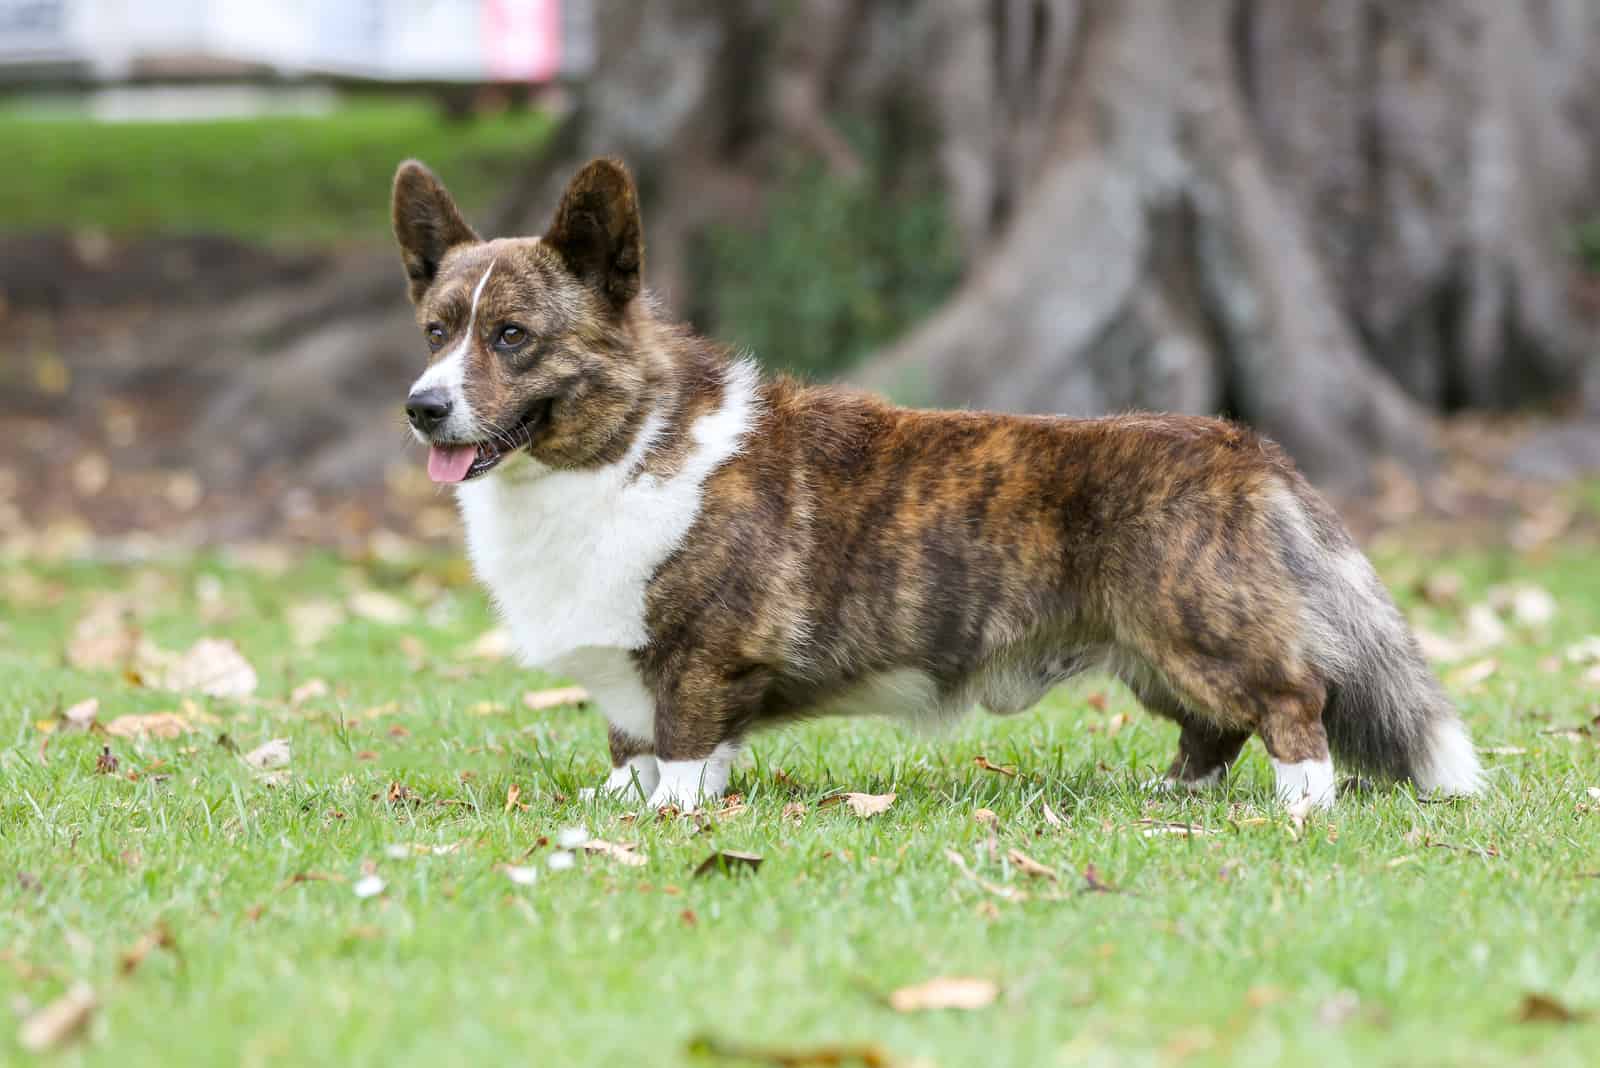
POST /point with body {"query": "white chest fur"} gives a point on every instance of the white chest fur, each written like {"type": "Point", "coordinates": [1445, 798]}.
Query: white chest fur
{"type": "Point", "coordinates": [567, 555]}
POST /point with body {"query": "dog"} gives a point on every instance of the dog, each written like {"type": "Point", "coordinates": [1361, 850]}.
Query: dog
{"type": "Point", "coordinates": [709, 551]}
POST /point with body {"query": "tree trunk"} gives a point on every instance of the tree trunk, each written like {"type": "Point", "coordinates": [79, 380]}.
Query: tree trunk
{"type": "Point", "coordinates": [1327, 219]}
{"type": "Point", "coordinates": [1331, 220]}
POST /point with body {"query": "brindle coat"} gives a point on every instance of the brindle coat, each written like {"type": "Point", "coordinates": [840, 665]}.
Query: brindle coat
{"type": "Point", "coordinates": [993, 555]}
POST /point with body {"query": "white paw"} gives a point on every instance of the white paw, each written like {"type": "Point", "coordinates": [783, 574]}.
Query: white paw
{"type": "Point", "coordinates": [684, 784]}
{"type": "Point", "coordinates": [1307, 781]}
{"type": "Point", "coordinates": [620, 782]}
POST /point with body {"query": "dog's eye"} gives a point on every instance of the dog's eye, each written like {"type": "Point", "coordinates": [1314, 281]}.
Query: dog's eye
{"type": "Point", "coordinates": [510, 336]}
{"type": "Point", "coordinates": [435, 336]}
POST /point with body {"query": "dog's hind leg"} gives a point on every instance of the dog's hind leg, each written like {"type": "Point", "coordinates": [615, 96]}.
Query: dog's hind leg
{"type": "Point", "coordinates": [1205, 750]}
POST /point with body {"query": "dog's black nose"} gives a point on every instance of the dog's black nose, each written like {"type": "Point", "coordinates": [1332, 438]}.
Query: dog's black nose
{"type": "Point", "coordinates": [427, 409]}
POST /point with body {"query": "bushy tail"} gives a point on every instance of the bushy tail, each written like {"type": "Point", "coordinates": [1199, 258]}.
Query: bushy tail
{"type": "Point", "coordinates": [1387, 714]}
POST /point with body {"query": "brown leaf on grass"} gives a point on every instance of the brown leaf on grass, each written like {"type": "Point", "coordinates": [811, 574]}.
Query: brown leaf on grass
{"type": "Point", "coordinates": [1542, 1008]}
{"type": "Point", "coordinates": [794, 812]}
{"type": "Point", "coordinates": [59, 1022]}
{"type": "Point", "coordinates": [81, 716]}
{"type": "Point", "coordinates": [868, 805]}
{"type": "Point", "coordinates": [1009, 893]}
{"type": "Point", "coordinates": [985, 817]}
{"type": "Point", "coordinates": [103, 640]}
{"type": "Point", "coordinates": [273, 754]}
{"type": "Point", "coordinates": [621, 852]}
{"type": "Point", "coordinates": [1003, 769]}
{"type": "Point", "coordinates": [309, 877]}
{"type": "Point", "coordinates": [1152, 828]}
{"type": "Point", "coordinates": [1093, 884]}
{"type": "Point", "coordinates": [1442, 588]}
{"type": "Point", "coordinates": [106, 763]}
{"type": "Point", "coordinates": [310, 621]}
{"type": "Point", "coordinates": [375, 606]}
{"type": "Point", "coordinates": [1049, 815]}
{"type": "Point", "coordinates": [728, 861]}
{"type": "Point", "coordinates": [1475, 673]}
{"type": "Point", "coordinates": [1096, 701]}
{"type": "Point", "coordinates": [309, 690]}
{"type": "Point", "coordinates": [154, 724]}
{"type": "Point", "coordinates": [541, 700]}
{"type": "Point", "coordinates": [866, 1056]}
{"type": "Point", "coordinates": [158, 937]}
{"type": "Point", "coordinates": [211, 666]}
{"type": "Point", "coordinates": [1030, 866]}
{"type": "Point", "coordinates": [945, 993]}
{"type": "Point", "coordinates": [492, 644]}
{"type": "Point", "coordinates": [514, 798]}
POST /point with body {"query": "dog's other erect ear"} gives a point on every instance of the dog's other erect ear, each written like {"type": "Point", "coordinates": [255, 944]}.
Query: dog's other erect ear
{"type": "Point", "coordinates": [426, 223]}
{"type": "Point", "coordinates": [597, 231]}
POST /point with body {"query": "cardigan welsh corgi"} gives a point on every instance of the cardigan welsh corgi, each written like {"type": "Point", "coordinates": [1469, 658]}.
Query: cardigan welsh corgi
{"type": "Point", "coordinates": [709, 551]}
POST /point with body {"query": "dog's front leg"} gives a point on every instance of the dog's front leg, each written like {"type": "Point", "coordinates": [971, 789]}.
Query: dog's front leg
{"type": "Point", "coordinates": [699, 718]}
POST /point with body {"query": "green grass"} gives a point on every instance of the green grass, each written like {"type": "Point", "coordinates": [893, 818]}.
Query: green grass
{"type": "Point", "coordinates": [278, 178]}
{"type": "Point", "coordinates": [1238, 946]}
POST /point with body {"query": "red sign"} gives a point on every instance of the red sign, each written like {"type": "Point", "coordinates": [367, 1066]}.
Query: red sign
{"type": "Point", "coordinates": [522, 39]}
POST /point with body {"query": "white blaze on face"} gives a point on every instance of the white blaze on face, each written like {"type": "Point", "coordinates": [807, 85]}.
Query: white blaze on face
{"type": "Point", "coordinates": [449, 373]}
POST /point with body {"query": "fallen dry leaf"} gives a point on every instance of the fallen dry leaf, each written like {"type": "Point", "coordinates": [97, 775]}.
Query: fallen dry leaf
{"type": "Point", "coordinates": [103, 640]}
{"type": "Point", "coordinates": [158, 937]}
{"type": "Point", "coordinates": [1585, 650]}
{"type": "Point", "coordinates": [944, 993]}
{"type": "Point", "coordinates": [540, 700]}
{"type": "Point", "coordinates": [81, 716]}
{"type": "Point", "coordinates": [1009, 893]}
{"type": "Point", "coordinates": [514, 798]}
{"type": "Point", "coordinates": [1474, 673]}
{"type": "Point", "coordinates": [867, 1056]}
{"type": "Point", "coordinates": [1152, 828]}
{"type": "Point", "coordinates": [309, 690]}
{"type": "Point", "coordinates": [1542, 1008]}
{"type": "Point", "coordinates": [620, 852]}
{"type": "Point", "coordinates": [1298, 811]}
{"type": "Point", "coordinates": [1093, 884]}
{"type": "Point", "coordinates": [492, 644]}
{"type": "Point", "coordinates": [310, 621]}
{"type": "Point", "coordinates": [63, 1019]}
{"type": "Point", "coordinates": [868, 805]}
{"type": "Point", "coordinates": [273, 754]}
{"type": "Point", "coordinates": [794, 812]}
{"type": "Point", "coordinates": [985, 817]}
{"type": "Point", "coordinates": [211, 666]}
{"type": "Point", "coordinates": [1028, 865]}
{"type": "Point", "coordinates": [728, 861]}
{"type": "Point", "coordinates": [1003, 769]}
{"type": "Point", "coordinates": [1049, 815]}
{"type": "Point", "coordinates": [154, 724]}
{"type": "Point", "coordinates": [375, 606]}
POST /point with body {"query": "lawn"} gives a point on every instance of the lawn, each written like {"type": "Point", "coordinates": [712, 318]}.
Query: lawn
{"type": "Point", "coordinates": [389, 896]}
{"type": "Point", "coordinates": [283, 179]}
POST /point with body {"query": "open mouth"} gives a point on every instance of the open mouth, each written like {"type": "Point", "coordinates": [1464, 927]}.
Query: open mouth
{"type": "Point", "coordinates": [461, 463]}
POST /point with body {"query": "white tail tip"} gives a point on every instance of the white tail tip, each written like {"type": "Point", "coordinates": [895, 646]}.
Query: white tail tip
{"type": "Point", "coordinates": [1450, 764]}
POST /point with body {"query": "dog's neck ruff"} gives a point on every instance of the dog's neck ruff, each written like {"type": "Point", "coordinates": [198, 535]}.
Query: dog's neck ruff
{"type": "Point", "coordinates": [567, 555]}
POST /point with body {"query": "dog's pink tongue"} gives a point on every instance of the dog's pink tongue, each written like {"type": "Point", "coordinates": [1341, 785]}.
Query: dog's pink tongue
{"type": "Point", "coordinates": [449, 463]}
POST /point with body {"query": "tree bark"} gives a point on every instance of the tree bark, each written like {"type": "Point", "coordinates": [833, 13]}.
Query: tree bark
{"type": "Point", "coordinates": [1332, 220]}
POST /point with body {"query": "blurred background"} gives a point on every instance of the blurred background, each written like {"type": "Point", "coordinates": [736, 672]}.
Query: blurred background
{"type": "Point", "coordinates": [1370, 228]}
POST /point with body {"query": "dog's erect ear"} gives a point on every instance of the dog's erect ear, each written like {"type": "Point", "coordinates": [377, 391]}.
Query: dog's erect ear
{"type": "Point", "coordinates": [426, 223]}
{"type": "Point", "coordinates": [597, 231]}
